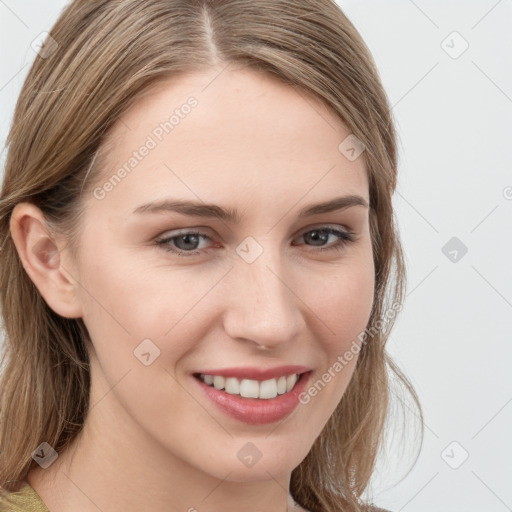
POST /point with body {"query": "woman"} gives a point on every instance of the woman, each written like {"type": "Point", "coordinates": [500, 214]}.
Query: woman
{"type": "Point", "coordinates": [248, 369]}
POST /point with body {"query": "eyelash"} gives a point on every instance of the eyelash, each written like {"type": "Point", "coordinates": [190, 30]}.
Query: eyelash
{"type": "Point", "coordinates": [345, 237]}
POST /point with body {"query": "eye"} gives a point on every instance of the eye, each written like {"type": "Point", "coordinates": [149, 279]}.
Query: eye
{"type": "Point", "coordinates": [322, 234]}
{"type": "Point", "coordinates": [186, 243]}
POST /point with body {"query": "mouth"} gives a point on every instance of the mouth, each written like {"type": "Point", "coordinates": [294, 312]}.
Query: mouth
{"type": "Point", "coordinates": [251, 388]}
{"type": "Point", "coordinates": [254, 401]}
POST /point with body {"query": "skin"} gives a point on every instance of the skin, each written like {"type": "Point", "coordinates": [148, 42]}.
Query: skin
{"type": "Point", "coordinates": [255, 145]}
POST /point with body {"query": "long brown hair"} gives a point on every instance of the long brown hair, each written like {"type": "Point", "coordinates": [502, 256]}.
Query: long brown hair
{"type": "Point", "coordinates": [103, 55]}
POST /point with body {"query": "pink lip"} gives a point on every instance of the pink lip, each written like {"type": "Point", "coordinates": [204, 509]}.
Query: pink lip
{"type": "Point", "coordinates": [256, 373]}
{"type": "Point", "coordinates": [256, 411]}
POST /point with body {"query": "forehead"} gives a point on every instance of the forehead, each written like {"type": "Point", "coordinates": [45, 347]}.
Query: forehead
{"type": "Point", "coordinates": [232, 135]}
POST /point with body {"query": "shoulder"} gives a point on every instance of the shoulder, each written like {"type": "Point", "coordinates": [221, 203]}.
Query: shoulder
{"type": "Point", "coordinates": [25, 499]}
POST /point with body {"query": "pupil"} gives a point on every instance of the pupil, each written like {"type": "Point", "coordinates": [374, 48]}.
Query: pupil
{"type": "Point", "coordinates": [187, 238]}
{"type": "Point", "coordinates": [318, 235]}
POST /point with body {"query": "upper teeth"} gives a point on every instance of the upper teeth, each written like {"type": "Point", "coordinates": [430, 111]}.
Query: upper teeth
{"type": "Point", "coordinates": [249, 388]}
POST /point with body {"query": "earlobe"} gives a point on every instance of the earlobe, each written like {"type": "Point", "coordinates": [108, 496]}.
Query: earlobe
{"type": "Point", "coordinates": [41, 257]}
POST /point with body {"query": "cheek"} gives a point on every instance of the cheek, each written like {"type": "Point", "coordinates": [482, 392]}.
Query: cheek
{"type": "Point", "coordinates": [124, 291]}
{"type": "Point", "coordinates": [344, 305]}
{"type": "Point", "coordinates": [125, 306]}
{"type": "Point", "coordinates": [343, 301]}
{"type": "Point", "coordinates": [128, 301]}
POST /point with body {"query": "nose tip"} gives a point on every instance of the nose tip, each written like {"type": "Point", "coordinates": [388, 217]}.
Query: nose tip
{"type": "Point", "coordinates": [262, 308]}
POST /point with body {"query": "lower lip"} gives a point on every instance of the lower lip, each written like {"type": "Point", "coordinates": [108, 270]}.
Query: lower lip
{"type": "Point", "coordinates": [256, 411]}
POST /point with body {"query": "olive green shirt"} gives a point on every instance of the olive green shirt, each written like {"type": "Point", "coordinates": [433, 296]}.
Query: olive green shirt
{"type": "Point", "coordinates": [25, 499]}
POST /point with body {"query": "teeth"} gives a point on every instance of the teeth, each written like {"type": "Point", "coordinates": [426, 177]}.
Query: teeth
{"type": "Point", "coordinates": [268, 389]}
{"type": "Point", "coordinates": [281, 385]}
{"type": "Point", "coordinates": [218, 382]}
{"type": "Point", "coordinates": [249, 388]}
{"type": "Point", "coordinates": [232, 386]}
{"type": "Point", "coordinates": [290, 381]}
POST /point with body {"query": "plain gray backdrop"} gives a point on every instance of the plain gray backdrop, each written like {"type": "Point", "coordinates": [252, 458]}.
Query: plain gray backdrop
{"type": "Point", "coordinates": [447, 69]}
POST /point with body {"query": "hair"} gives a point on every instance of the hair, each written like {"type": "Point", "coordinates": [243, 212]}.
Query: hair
{"type": "Point", "coordinates": [108, 53]}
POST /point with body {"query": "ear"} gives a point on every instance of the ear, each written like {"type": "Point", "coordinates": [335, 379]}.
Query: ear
{"type": "Point", "coordinates": [41, 257]}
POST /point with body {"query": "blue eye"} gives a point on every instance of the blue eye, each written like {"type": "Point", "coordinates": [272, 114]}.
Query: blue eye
{"type": "Point", "coordinates": [192, 238]}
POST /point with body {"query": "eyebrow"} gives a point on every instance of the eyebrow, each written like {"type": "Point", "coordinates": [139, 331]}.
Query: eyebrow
{"type": "Point", "coordinates": [199, 209]}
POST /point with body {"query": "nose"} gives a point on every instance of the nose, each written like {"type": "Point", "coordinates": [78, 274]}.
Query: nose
{"type": "Point", "coordinates": [262, 306]}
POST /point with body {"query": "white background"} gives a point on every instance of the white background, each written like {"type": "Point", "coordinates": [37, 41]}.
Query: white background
{"type": "Point", "coordinates": [454, 336]}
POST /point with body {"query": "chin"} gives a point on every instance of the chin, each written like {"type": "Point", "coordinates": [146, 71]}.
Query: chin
{"type": "Point", "coordinates": [253, 464]}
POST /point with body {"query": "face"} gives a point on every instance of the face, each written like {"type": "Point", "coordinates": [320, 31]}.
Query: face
{"type": "Point", "coordinates": [168, 293]}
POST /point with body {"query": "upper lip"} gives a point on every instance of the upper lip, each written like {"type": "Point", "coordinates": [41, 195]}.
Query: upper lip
{"type": "Point", "coordinates": [255, 373]}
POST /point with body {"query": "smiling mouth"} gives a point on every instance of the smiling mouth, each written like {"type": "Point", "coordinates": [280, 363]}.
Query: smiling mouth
{"type": "Point", "coordinates": [250, 388]}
